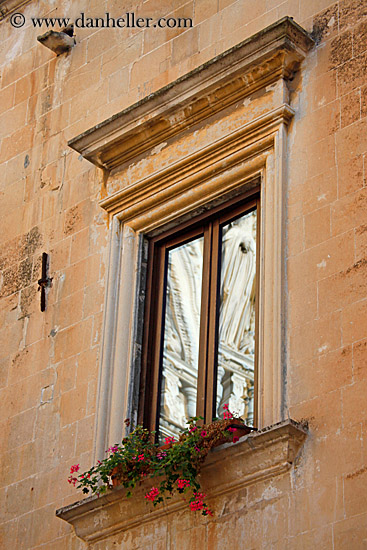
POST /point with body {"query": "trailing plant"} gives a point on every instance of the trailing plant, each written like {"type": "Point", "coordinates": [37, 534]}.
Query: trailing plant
{"type": "Point", "coordinates": [176, 465]}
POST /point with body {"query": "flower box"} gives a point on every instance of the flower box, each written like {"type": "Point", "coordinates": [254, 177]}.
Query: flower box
{"type": "Point", "coordinates": [174, 467]}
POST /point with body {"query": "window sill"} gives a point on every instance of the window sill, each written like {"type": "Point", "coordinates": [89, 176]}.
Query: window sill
{"type": "Point", "coordinates": [256, 457]}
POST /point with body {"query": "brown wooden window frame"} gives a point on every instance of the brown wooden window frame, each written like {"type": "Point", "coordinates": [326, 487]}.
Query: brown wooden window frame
{"type": "Point", "coordinates": [209, 225]}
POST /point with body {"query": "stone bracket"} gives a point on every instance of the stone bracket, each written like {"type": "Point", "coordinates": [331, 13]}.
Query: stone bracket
{"type": "Point", "coordinates": [256, 457]}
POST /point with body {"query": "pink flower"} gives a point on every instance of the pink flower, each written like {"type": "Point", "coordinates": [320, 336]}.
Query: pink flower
{"type": "Point", "coordinates": [112, 449]}
{"type": "Point", "coordinates": [227, 413]}
{"type": "Point", "coordinates": [231, 430]}
{"type": "Point", "coordinates": [203, 433]}
{"type": "Point", "coordinates": [72, 480]}
{"type": "Point", "coordinates": [182, 483]}
{"type": "Point", "coordinates": [161, 456]}
{"type": "Point", "coordinates": [235, 439]}
{"type": "Point", "coordinates": [169, 440]}
{"type": "Point", "coordinates": [192, 429]}
{"type": "Point", "coordinates": [198, 503]}
{"type": "Point", "coordinates": [141, 457]}
{"type": "Point", "coordinates": [74, 468]}
{"type": "Point", "coordinates": [153, 493]}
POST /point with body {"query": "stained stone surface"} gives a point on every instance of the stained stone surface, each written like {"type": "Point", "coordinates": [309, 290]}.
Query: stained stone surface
{"type": "Point", "coordinates": [51, 199]}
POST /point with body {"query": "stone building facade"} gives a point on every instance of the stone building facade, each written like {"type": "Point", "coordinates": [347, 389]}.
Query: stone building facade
{"type": "Point", "coordinates": [140, 127]}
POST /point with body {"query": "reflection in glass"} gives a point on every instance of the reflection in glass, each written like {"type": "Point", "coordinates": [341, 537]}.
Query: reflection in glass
{"type": "Point", "coordinates": [236, 336]}
{"type": "Point", "coordinates": [181, 337]}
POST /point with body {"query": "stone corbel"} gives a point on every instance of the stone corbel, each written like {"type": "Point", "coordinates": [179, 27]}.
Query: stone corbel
{"type": "Point", "coordinates": [256, 457]}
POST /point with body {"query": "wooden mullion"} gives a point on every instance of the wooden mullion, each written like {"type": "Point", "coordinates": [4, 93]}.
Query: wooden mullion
{"type": "Point", "coordinates": [144, 404]}
{"type": "Point", "coordinates": [237, 212]}
{"type": "Point", "coordinates": [184, 238]}
{"type": "Point", "coordinates": [156, 327]}
{"type": "Point", "coordinates": [211, 367]}
{"type": "Point", "coordinates": [257, 312]}
{"type": "Point", "coordinates": [158, 324]}
{"type": "Point", "coordinates": [204, 324]}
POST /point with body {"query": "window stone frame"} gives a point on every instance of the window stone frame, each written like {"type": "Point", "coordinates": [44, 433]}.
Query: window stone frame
{"type": "Point", "coordinates": [255, 150]}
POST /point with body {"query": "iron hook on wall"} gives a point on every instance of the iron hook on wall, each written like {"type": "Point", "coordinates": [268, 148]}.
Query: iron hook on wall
{"type": "Point", "coordinates": [45, 281]}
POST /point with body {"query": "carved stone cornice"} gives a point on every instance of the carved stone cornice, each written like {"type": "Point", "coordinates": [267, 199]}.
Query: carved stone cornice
{"type": "Point", "coordinates": [7, 7]}
{"type": "Point", "coordinates": [259, 61]}
{"type": "Point", "coordinates": [207, 163]}
{"type": "Point", "coordinates": [256, 457]}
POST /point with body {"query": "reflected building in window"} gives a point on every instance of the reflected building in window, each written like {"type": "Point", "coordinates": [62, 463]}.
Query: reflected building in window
{"type": "Point", "coordinates": [181, 336]}
{"type": "Point", "coordinates": [235, 326]}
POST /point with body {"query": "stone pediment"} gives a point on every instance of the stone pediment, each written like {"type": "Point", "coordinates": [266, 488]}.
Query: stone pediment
{"type": "Point", "coordinates": [259, 61]}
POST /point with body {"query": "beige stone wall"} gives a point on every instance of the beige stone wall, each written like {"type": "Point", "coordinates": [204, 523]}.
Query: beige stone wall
{"type": "Point", "coordinates": [49, 202]}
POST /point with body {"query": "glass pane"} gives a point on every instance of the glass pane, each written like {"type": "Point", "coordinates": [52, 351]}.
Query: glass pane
{"type": "Point", "coordinates": [181, 337]}
{"type": "Point", "coordinates": [236, 337]}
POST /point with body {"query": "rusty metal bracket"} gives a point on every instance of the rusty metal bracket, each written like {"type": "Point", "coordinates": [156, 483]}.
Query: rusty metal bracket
{"type": "Point", "coordinates": [45, 281]}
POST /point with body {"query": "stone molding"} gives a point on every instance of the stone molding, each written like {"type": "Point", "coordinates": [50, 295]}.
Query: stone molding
{"type": "Point", "coordinates": [237, 162]}
{"type": "Point", "coordinates": [259, 61]}
{"type": "Point", "coordinates": [7, 7]}
{"type": "Point", "coordinates": [147, 210]}
{"type": "Point", "coordinates": [252, 139]}
{"type": "Point", "coordinates": [255, 458]}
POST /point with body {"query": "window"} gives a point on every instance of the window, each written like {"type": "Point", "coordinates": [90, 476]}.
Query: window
{"type": "Point", "coordinates": [200, 335]}
{"type": "Point", "coordinates": [211, 133]}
